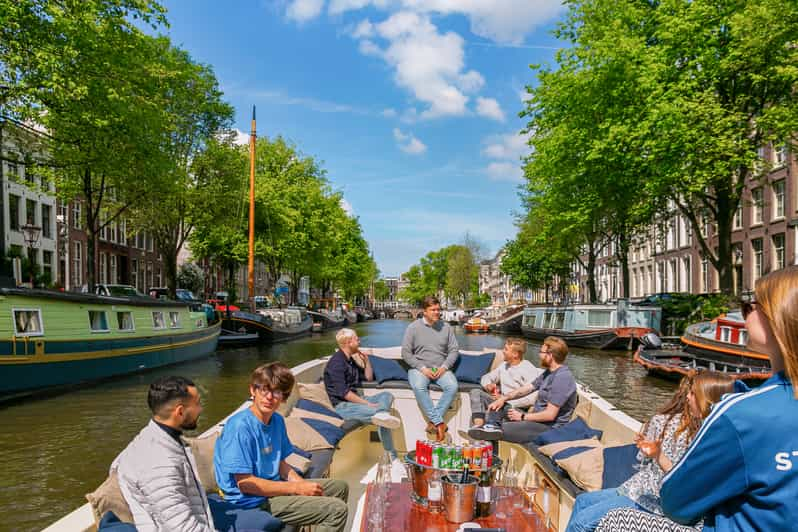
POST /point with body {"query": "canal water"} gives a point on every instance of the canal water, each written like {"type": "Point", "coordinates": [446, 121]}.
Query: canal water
{"type": "Point", "coordinates": [54, 450]}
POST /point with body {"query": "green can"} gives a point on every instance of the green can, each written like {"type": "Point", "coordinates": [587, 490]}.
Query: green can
{"type": "Point", "coordinates": [438, 456]}
{"type": "Point", "coordinates": [457, 458]}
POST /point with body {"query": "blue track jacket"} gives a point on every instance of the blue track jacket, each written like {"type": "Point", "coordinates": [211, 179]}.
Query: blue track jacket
{"type": "Point", "coordinates": [741, 470]}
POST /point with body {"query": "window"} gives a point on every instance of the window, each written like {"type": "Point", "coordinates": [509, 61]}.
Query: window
{"type": "Point", "coordinates": [113, 278]}
{"type": "Point", "coordinates": [157, 320]}
{"type": "Point", "coordinates": [756, 206]}
{"type": "Point", "coordinates": [779, 155]}
{"type": "Point", "coordinates": [13, 211]}
{"type": "Point", "coordinates": [77, 264]}
{"type": "Point", "coordinates": [687, 282]}
{"type": "Point", "coordinates": [30, 212]}
{"type": "Point", "coordinates": [149, 278]}
{"type": "Point", "coordinates": [124, 321]}
{"type": "Point", "coordinates": [547, 320]}
{"type": "Point", "coordinates": [149, 242]}
{"type": "Point", "coordinates": [742, 339]}
{"type": "Point", "coordinates": [103, 268]}
{"type": "Point", "coordinates": [529, 320]}
{"type": "Point", "coordinates": [12, 171]}
{"type": "Point", "coordinates": [47, 214]}
{"type": "Point", "coordinates": [98, 321]}
{"type": "Point", "coordinates": [705, 276]}
{"type": "Point", "coordinates": [77, 221]}
{"type": "Point", "coordinates": [47, 264]}
{"type": "Point", "coordinates": [725, 334]}
{"type": "Point", "coordinates": [778, 252]}
{"type": "Point", "coordinates": [134, 273]}
{"type": "Point", "coordinates": [174, 320]}
{"type": "Point", "coordinates": [122, 237]}
{"type": "Point", "coordinates": [160, 280]}
{"type": "Point", "coordinates": [559, 320]}
{"type": "Point", "coordinates": [756, 247]}
{"type": "Point", "coordinates": [27, 322]}
{"type": "Point", "coordinates": [599, 318]}
{"type": "Point", "coordinates": [778, 199]}
{"type": "Point", "coordinates": [737, 222]}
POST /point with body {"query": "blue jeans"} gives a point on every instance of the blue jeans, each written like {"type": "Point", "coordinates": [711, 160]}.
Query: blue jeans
{"type": "Point", "coordinates": [420, 385]}
{"type": "Point", "coordinates": [229, 518]}
{"type": "Point", "coordinates": [363, 413]}
{"type": "Point", "coordinates": [591, 506]}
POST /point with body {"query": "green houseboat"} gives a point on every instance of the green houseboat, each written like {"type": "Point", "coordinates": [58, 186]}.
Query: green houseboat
{"type": "Point", "coordinates": [50, 338]}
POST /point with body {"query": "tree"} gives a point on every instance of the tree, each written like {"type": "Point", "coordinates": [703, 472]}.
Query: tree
{"type": "Point", "coordinates": [191, 277]}
{"type": "Point", "coordinates": [381, 290]}
{"type": "Point", "coordinates": [461, 272]}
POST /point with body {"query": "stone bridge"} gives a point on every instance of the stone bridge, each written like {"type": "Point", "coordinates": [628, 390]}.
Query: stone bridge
{"type": "Point", "coordinates": [402, 313]}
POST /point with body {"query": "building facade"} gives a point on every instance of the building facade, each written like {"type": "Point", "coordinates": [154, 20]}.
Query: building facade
{"type": "Point", "coordinates": [497, 285]}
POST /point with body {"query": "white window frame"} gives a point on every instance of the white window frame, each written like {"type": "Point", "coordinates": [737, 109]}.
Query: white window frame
{"type": "Point", "coordinates": [174, 320]}
{"type": "Point", "coordinates": [779, 264]}
{"type": "Point", "coordinates": [91, 323]}
{"type": "Point", "coordinates": [737, 221]}
{"type": "Point", "coordinates": [725, 334]}
{"type": "Point", "coordinates": [757, 206]}
{"type": "Point", "coordinates": [132, 321]}
{"type": "Point", "coordinates": [757, 264]}
{"type": "Point", "coordinates": [155, 321]}
{"type": "Point", "coordinates": [37, 311]}
{"type": "Point", "coordinates": [778, 188]}
{"type": "Point", "coordinates": [779, 155]}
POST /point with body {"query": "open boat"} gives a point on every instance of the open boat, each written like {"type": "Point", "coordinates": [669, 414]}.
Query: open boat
{"type": "Point", "coordinates": [358, 453]}
{"type": "Point", "coordinates": [329, 319]}
{"type": "Point", "coordinates": [53, 339]}
{"type": "Point", "coordinates": [619, 326]}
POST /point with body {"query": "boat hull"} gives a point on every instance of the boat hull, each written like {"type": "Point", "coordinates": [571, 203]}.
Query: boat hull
{"type": "Point", "coordinates": [80, 362]}
{"type": "Point", "coordinates": [618, 338]}
{"type": "Point", "coordinates": [327, 323]}
{"type": "Point", "coordinates": [674, 364]}
{"type": "Point", "coordinates": [511, 325]}
{"type": "Point", "coordinates": [268, 331]}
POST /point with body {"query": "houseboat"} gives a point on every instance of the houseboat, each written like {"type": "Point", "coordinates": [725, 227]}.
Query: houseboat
{"type": "Point", "coordinates": [270, 324]}
{"type": "Point", "coordinates": [52, 338]}
{"type": "Point", "coordinates": [328, 319]}
{"type": "Point", "coordinates": [509, 322]}
{"type": "Point", "coordinates": [719, 345]}
{"type": "Point", "coordinates": [606, 326]}
{"type": "Point", "coordinates": [356, 457]}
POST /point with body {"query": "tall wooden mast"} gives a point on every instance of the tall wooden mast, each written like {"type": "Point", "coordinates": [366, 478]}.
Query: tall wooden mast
{"type": "Point", "coordinates": [251, 263]}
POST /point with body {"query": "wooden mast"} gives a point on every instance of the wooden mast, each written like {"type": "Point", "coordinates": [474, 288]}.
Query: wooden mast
{"type": "Point", "coordinates": [251, 263]}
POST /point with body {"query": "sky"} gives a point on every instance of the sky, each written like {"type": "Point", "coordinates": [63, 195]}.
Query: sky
{"type": "Point", "coordinates": [411, 106]}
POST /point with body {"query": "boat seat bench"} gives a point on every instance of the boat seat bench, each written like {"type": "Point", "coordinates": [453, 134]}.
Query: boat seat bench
{"type": "Point", "coordinates": [404, 385]}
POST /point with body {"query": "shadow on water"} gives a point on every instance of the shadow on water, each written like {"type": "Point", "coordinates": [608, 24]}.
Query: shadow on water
{"type": "Point", "coordinates": [55, 449]}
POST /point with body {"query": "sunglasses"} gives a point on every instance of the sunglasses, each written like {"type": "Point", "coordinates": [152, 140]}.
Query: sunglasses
{"type": "Point", "coordinates": [747, 307]}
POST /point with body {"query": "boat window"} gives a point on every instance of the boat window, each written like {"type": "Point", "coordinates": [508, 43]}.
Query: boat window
{"type": "Point", "coordinates": [27, 322]}
{"type": "Point", "coordinates": [98, 321]}
{"type": "Point", "coordinates": [743, 338]}
{"type": "Point", "coordinates": [725, 334]}
{"type": "Point", "coordinates": [174, 320]}
{"type": "Point", "coordinates": [599, 318]}
{"type": "Point", "coordinates": [124, 321]}
{"type": "Point", "coordinates": [157, 320]}
{"type": "Point", "coordinates": [547, 320]}
{"type": "Point", "coordinates": [559, 320]}
{"type": "Point", "coordinates": [529, 320]}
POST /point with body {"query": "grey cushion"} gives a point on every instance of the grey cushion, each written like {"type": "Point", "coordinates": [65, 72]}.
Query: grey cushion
{"type": "Point", "coordinates": [320, 461]}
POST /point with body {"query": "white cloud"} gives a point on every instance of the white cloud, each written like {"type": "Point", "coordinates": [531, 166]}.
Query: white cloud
{"type": "Point", "coordinates": [347, 207]}
{"type": "Point", "coordinates": [304, 10]}
{"type": "Point", "coordinates": [241, 138]}
{"type": "Point", "coordinates": [505, 171]}
{"type": "Point", "coordinates": [389, 112]}
{"type": "Point", "coordinates": [408, 143]}
{"type": "Point", "coordinates": [368, 47]}
{"type": "Point", "coordinates": [363, 30]}
{"type": "Point", "coordinates": [508, 151]}
{"type": "Point", "coordinates": [524, 95]}
{"type": "Point", "coordinates": [490, 108]}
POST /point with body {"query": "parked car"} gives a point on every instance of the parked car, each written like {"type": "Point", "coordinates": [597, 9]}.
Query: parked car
{"type": "Point", "coordinates": [181, 294]}
{"type": "Point", "coordinates": [113, 290]}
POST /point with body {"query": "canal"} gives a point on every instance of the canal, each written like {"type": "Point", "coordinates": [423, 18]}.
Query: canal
{"type": "Point", "coordinates": [54, 450]}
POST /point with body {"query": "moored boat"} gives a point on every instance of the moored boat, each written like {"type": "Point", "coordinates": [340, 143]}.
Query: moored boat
{"type": "Point", "coordinates": [357, 455]}
{"type": "Point", "coordinates": [329, 319]}
{"type": "Point", "coordinates": [718, 345]}
{"type": "Point", "coordinates": [508, 322]}
{"type": "Point", "coordinates": [271, 325]}
{"type": "Point", "coordinates": [59, 338]}
{"type": "Point", "coordinates": [619, 326]}
{"type": "Point", "coordinates": [476, 324]}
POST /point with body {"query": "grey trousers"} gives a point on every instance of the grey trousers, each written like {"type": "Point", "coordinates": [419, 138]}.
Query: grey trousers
{"type": "Point", "coordinates": [480, 399]}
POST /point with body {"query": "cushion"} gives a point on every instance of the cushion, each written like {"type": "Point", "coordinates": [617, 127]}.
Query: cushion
{"type": "Point", "coordinates": [108, 498]}
{"type": "Point", "coordinates": [318, 408]}
{"type": "Point", "coordinates": [315, 392]}
{"type": "Point", "coordinates": [110, 522]}
{"type": "Point", "coordinates": [328, 431]}
{"type": "Point", "coordinates": [554, 448]}
{"type": "Point", "coordinates": [303, 436]}
{"type": "Point", "coordinates": [571, 451]}
{"type": "Point", "coordinates": [299, 463]}
{"type": "Point", "coordinates": [585, 468]}
{"type": "Point", "coordinates": [471, 368]}
{"type": "Point", "coordinates": [202, 449]}
{"type": "Point", "coordinates": [386, 369]}
{"type": "Point", "coordinates": [308, 414]}
{"type": "Point", "coordinates": [320, 463]}
{"type": "Point", "coordinates": [631, 520]}
{"type": "Point", "coordinates": [619, 465]}
{"type": "Point", "coordinates": [575, 430]}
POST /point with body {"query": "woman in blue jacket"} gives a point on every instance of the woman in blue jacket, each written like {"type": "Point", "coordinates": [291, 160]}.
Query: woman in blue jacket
{"type": "Point", "coordinates": [741, 470]}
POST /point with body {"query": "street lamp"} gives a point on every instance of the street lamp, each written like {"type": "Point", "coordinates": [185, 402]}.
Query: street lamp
{"type": "Point", "coordinates": [31, 234]}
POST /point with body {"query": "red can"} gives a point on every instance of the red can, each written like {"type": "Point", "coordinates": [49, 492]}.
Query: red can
{"type": "Point", "coordinates": [487, 456]}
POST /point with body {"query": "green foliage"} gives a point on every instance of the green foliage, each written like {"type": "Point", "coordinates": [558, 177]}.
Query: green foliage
{"type": "Point", "coordinates": [685, 309]}
{"type": "Point", "coordinates": [452, 271]}
{"type": "Point", "coordinates": [191, 278]}
{"type": "Point", "coordinates": [381, 290]}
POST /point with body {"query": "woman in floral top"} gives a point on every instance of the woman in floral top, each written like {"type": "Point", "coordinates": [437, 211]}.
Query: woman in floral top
{"type": "Point", "coordinates": [662, 441]}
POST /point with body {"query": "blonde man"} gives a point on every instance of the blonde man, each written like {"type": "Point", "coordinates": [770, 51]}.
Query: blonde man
{"type": "Point", "coordinates": [345, 371]}
{"type": "Point", "coordinates": [509, 376]}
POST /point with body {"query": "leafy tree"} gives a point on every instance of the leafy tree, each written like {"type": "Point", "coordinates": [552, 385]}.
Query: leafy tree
{"type": "Point", "coordinates": [381, 290]}
{"type": "Point", "coordinates": [191, 277]}
{"type": "Point", "coordinates": [461, 272]}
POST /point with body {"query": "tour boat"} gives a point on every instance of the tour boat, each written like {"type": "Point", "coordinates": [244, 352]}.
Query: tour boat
{"type": "Point", "coordinates": [601, 326]}
{"type": "Point", "coordinates": [357, 455]}
{"type": "Point", "coordinates": [54, 338]}
{"type": "Point", "coordinates": [718, 345]}
{"type": "Point", "coordinates": [271, 324]}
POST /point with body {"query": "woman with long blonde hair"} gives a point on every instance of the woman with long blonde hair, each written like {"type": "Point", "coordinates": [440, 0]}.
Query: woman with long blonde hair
{"type": "Point", "coordinates": [741, 471]}
{"type": "Point", "coordinates": [662, 441]}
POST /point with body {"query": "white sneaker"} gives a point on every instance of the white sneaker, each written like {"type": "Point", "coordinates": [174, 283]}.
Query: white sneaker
{"type": "Point", "coordinates": [384, 419]}
{"type": "Point", "coordinates": [486, 432]}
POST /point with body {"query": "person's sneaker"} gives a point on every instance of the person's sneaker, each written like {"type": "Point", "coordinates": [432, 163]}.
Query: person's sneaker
{"type": "Point", "coordinates": [486, 432]}
{"type": "Point", "coordinates": [465, 434]}
{"type": "Point", "coordinates": [384, 419]}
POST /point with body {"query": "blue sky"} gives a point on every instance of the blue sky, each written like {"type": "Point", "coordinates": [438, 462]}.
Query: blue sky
{"type": "Point", "coordinates": [411, 105]}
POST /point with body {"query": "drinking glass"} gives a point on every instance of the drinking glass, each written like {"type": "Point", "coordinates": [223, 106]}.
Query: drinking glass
{"type": "Point", "coordinates": [499, 492]}
{"type": "Point", "coordinates": [530, 487]}
{"type": "Point", "coordinates": [379, 496]}
{"type": "Point", "coordinates": [515, 489]}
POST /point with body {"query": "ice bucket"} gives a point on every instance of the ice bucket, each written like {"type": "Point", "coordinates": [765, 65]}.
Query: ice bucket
{"type": "Point", "coordinates": [420, 475]}
{"type": "Point", "coordinates": [459, 498]}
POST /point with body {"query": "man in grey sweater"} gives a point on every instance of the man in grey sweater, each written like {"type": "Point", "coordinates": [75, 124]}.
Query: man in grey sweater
{"type": "Point", "coordinates": [431, 350]}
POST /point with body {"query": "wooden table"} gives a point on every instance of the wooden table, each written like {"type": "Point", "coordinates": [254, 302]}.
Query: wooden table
{"type": "Point", "coordinates": [402, 515]}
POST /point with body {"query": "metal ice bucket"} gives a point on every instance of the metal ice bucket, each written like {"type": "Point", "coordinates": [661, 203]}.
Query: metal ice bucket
{"type": "Point", "coordinates": [459, 498]}
{"type": "Point", "coordinates": [420, 475]}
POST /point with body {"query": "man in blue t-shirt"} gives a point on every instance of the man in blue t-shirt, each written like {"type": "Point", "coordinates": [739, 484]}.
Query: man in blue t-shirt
{"type": "Point", "coordinates": [250, 467]}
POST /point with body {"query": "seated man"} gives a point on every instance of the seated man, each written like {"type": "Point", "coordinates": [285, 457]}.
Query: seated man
{"type": "Point", "coordinates": [512, 374]}
{"type": "Point", "coordinates": [430, 349]}
{"type": "Point", "coordinates": [250, 467]}
{"type": "Point", "coordinates": [347, 368]}
{"type": "Point", "coordinates": [555, 403]}
{"type": "Point", "coordinates": [158, 477]}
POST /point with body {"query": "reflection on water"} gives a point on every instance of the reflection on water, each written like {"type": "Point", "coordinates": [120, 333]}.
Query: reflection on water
{"type": "Point", "coordinates": [56, 449]}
